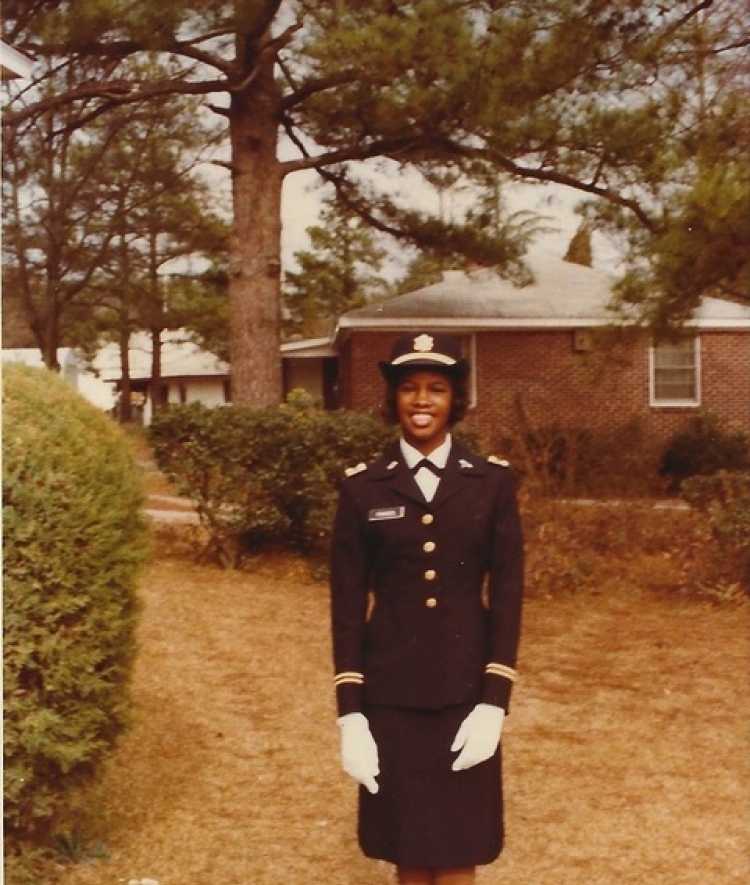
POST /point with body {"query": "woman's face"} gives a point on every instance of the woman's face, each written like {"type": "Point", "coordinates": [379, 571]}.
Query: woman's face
{"type": "Point", "coordinates": [423, 403]}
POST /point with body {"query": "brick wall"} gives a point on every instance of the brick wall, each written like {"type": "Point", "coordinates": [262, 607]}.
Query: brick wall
{"type": "Point", "coordinates": [540, 377]}
{"type": "Point", "coordinates": [725, 360]}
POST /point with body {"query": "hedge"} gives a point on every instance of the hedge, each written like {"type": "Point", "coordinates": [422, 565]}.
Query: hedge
{"type": "Point", "coordinates": [263, 477]}
{"type": "Point", "coordinates": [724, 500]}
{"type": "Point", "coordinates": [706, 446]}
{"type": "Point", "coordinates": [74, 541]}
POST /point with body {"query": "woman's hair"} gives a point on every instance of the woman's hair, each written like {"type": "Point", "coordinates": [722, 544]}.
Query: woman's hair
{"type": "Point", "coordinates": [459, 399]}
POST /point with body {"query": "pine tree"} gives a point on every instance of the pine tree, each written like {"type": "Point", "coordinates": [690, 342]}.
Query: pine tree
{"type": "Point", "coordinates": [608, 98]}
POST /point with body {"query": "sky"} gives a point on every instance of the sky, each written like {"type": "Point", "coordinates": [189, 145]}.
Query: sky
{"type": "Point", "coordinates": [302, 200]}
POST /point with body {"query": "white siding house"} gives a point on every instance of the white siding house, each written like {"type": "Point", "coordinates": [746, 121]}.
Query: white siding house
{"type": "Point", "coordinates": [72, 370]}
{"type": "Point", "coordinates": [188, 373]}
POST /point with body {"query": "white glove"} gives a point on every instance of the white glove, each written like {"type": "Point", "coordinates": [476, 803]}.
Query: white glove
{"type": "Point", "coordinates": [478, 737]}
{"type": "Point", "coordinates": [359, 752]}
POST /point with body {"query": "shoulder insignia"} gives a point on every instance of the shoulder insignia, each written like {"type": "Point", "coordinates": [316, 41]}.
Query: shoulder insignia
{"type": "Point", "coordinates": [392, 465]}
{"type": "Point", "coordinates": [501, 462]}
{"type": "Point", "coordinates": [351, 471]}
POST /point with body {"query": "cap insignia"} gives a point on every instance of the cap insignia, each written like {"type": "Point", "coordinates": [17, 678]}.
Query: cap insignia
{"type": "Point", "coordinates": [424, 343]}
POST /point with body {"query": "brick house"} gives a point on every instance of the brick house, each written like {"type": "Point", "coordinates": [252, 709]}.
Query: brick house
{"type": "Point", "coordinates": [553, 353]}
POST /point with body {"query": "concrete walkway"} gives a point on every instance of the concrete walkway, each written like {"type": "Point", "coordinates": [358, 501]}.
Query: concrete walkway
{"type": "Point", "coordinates": [180, 510]}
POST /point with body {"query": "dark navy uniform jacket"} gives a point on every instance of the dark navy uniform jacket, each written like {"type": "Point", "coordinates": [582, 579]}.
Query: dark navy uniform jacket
{"type": "Point", "coordinates": [426, 597]}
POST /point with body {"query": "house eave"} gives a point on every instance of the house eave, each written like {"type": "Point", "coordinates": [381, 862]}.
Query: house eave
{"type": "Point", "coordinates": [471, 324]}
{"type": "Point", "coordinates": [714, 325]}
{"type": "Point", "coordinates": [168, 377]}
{"type": "Point", "coordinates": [14, 63]}
{"type": "Point", "coordinates": [522, 324]}
{"type": "Point", "coordinates": [308, 348]}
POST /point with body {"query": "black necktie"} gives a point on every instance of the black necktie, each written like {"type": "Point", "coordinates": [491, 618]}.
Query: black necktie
{"type": "Point", "coordinates": [425, 462]}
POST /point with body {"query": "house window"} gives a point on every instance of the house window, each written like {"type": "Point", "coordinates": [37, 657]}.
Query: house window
{"type": "Point", "coordinates": [675, 373]}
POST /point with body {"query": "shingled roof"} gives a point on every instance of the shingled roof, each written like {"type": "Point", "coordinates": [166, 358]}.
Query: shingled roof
{"type": "Point", "coordinates": [562, 295]}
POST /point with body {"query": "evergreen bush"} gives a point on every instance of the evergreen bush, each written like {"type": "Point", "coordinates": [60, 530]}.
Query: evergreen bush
{"type": "Point", "coordinates": [704, 447]}
{"type": "Point", "coordinates": [74, 539]}
{"type": "Point", "coordinates": [263, 477]}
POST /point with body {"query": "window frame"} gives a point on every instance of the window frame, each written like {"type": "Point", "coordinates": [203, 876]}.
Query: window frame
{"type": "Point", "coordinates": [471, 358]}
{"type": "Point", "coordinates": [468, 346]}
{"type": "Point", "coordinates": [687, 403]}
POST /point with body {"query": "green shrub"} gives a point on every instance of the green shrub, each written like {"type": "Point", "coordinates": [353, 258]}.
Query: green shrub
{"type": "Point", "coordinates": [724, 499]}
{"type": "Point", "coordinates": [74, 539]}
{"type": "Point", "coordinates": [263, 477]}
{"type": "Point", "coordinates": [704, 447]}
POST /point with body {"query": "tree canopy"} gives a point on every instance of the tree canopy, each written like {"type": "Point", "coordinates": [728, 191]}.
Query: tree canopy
{"type": "Point", "coordinates": [339, 272]}
{"type": "Point", "coordinates": [632, 105]}
{"type": "Point", "coordinates": [94, 213]}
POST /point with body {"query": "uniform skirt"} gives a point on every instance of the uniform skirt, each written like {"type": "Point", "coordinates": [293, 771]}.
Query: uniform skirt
{"type": "Point", "coordinates": [424, 814]}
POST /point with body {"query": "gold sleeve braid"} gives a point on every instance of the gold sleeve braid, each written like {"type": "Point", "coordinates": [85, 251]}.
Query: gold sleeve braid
{"type": "Point", "coordinates": [494, 669]}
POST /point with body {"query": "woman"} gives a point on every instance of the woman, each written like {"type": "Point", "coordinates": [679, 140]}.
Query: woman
{"type": "Point", "coordinates": [426, 586]}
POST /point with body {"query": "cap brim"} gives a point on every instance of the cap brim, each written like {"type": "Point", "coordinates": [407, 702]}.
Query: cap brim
{"type": "Point", "coordinates": [391, 370]}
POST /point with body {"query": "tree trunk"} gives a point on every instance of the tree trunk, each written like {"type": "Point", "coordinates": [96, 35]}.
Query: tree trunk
{"type": "Point", "coordinates": [158, 400]}
{"type": "Point", "coordinates": [255, 251]}
{"type": "Point", "coordinates": [125, 408]}
{"type": "Point", "coordinates": [50, 337]}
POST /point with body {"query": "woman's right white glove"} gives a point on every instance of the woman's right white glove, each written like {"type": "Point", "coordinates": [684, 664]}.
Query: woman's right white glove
{"type": "Point", "coordinates": [359, 752]}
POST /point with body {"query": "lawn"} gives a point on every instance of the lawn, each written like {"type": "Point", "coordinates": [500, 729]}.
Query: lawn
{"type": "Point", "coordinates": [626, 751]}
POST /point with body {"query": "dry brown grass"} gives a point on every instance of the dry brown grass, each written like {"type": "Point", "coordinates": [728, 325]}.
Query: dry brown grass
{"type": "Point", "coordinates": [626, 750]}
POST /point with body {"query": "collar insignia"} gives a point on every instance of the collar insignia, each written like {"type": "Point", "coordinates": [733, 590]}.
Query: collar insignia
{"type": "Point", "coordinates": [493, 459]}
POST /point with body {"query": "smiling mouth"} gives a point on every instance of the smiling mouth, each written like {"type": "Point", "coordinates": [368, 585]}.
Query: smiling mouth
{"type": "Point", "coordinates": [421, 419]}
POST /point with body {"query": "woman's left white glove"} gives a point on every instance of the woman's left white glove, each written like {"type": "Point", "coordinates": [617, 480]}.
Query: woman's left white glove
{"type": "Point", "coordinates": [478, 737]}
{"type": "Point", "coordinates": [359, 752]}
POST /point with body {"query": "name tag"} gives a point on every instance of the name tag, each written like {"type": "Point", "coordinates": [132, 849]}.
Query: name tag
{"type": "Point", "coordinates": [381, 513]}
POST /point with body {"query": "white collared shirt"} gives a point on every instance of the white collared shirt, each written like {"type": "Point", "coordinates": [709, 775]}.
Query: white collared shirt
{"type": "Point", "coordinates": [426, 480]}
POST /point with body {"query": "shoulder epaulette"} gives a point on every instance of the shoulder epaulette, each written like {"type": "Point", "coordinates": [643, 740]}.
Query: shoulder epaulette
{"type": "Point", "coordinates": [351, 471]}
{"type": "Point", "coordinates": [501, 462]}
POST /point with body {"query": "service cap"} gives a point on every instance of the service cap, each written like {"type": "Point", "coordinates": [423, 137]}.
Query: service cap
{"type": "Point", "coordinates": [426, 350]}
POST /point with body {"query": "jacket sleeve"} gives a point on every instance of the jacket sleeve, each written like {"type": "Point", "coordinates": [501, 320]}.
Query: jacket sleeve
{"type": "Point", "coordinates": [349, 598]}
{"type": "Point", "coordinates": [505, 591]}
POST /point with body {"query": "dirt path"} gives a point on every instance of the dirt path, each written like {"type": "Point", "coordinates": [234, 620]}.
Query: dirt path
{"type": "Point", "coordinates": [626, 749]}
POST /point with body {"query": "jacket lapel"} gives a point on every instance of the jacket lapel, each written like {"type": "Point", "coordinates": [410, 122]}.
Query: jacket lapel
{"type": "Point", "coordinates": [462, 466]}
{"type": "Point", "coordinates": [392, 470]}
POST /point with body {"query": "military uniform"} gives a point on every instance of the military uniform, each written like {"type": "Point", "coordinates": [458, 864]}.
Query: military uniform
{"type": "Point", "coordinates": [426, 610]}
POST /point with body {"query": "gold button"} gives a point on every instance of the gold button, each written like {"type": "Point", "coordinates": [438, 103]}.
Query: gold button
{"type": "Point", "coordinates": [431, 602]}
{"type": "Point", "coordinates": [428, 546]}
{"type": "Point", "coordinates": [427, 519]}
{"type": "Point", "coordinates": [430, 574]}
